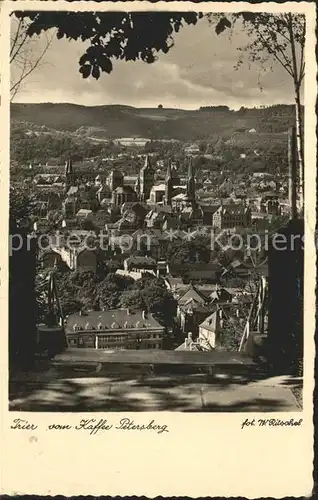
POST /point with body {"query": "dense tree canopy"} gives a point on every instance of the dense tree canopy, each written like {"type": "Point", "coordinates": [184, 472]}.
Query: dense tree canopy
{"type": "Point", "coordinates": [85, 290]}
{"type": "Point", "coordinates": [113, 35]}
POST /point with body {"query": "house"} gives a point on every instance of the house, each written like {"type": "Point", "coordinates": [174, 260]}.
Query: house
{"type": "Point", "coordinates": [261, 175]}
{"type": "Point", "coordinates": [115, 180]}
{"type": "Point", "coordinates": [41, 209]}
{"type": "Point", "coordinates": [140, 263]}
{"type": "Point", "coordinates": [231, 216]}
{"type": "Point", "coordinates": [189, 344]}
{"type": "Point", "coordinates": [220, 295]}
{"type": "Point", "coordinates": [209, 330]}
{"type": "Point", "coordinates": [76, 256]}
{"type": "Point", "coordinates": [244, 270]}
{"type": "Point", "coordinates": [132, 141]}
{"type": "Point", "coordinates": [269, 203]}
{"type": "Point", "coordinates": [205, 272]}
{"type": "Point", "coordinates": [192, 309]}
{"type": "Point", "coordinates": [103, 193]}
{"type": "Point", "coordinates": [192, 149]}
{"type": "Point", "coordinates": [157, 193]}
{"type": "Point", "coordinates": [122, 195]}
{"type": "Point", "coordinates": [207, 214]}
{"type": "Point", "coordinates": [84, 214]}
{"type": "Point", "coordinates": [116, 329]}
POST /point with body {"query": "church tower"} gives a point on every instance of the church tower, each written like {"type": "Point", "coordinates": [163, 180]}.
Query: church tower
{"type": "Point", "coordinates": [169, 184]}
{"type": "Point", "coordinates": [191, 183]}
{"type": "Point", "coordinates": [146, 179]}
{"type": "Point", "coordinates": [69, 173]}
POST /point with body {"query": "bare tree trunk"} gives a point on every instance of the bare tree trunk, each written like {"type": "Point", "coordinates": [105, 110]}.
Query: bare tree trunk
{"type": "Point", "coordinates": [300, 150]}
{"type": "Point", "coordinates": [299, 129]}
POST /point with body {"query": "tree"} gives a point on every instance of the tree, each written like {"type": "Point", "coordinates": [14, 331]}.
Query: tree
{"type": "Point", "coordinates": [280, 38]}
{"type": "Point", "coordinates": [132, 299]}
{"type": "Point", "coordinates": [196, 250]}
{"type": "Point", "coordinates": [160, 302]}
{"type": "Point", "coordinates": [109, 291]}
{"type": "Point", "coordinates": [24, 58]}
{"type": "Point", "coordinates": [21, 208]}
{"type": "Point", "coordinates": [112, 35]}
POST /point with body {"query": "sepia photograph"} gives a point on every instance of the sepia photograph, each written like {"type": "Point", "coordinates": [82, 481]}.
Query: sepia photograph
{"type": "Point", "coordinates": [156, 212]}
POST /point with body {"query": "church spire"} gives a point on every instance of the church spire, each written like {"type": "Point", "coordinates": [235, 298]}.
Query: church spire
{"type": "Point", "coordinates": [146, 179]}
{"type": "Point", "coordinates": [169, 183]}
{"type": "Point", "coordinates": [69, 173]}
{"type": "Point", "coordinates": [147, 162]}
{"type": "Point", "coordinates": [169, 171]}
{"type": "Point", "coordinates": [68, 167]}
{"type": "Point", "coordinates": [191, 183]}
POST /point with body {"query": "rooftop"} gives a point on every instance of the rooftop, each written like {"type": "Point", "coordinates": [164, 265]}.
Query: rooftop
{"type": "Point", "coordinates": [124, 189]}
{"type": "Point", "coordinates": [212, 322]}
{"type": "Point", "coordinates": [192, 293]}
{"type": "Point", "coordinates": [111, 319]}
{"type": "Point", "coordinates": [159, 187]}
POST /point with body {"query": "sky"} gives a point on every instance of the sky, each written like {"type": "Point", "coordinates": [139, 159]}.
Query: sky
{"type": "Point", "coordinates": [197, 71]}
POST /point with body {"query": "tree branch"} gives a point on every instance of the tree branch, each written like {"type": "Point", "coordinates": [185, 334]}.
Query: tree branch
{"type": "Point", "coordinates": [25, 73]}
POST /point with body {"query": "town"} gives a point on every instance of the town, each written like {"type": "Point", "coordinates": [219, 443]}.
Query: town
{"type": "Point", "coordinates": [151, 246]}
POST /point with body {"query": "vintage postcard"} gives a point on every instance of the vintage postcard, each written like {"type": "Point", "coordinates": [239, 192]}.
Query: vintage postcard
{"type": "Point", "coordinates": [158, 193]}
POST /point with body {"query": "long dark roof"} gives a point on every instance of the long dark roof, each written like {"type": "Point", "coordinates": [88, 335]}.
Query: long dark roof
{"type": "Point", "coordinates": [112, 319]}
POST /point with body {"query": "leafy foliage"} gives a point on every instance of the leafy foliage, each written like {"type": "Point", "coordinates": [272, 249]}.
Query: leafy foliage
{"type": "Point", "coordinates": [272, 36]}
{"type": "Point", "coordinates": [189, 252]}
{"type": "Point", "coordinates": [220, 131]}
{"type": "Point", "coordinates": [21, 207]}
{"type": "Point", "coordinates": [86, 290]}
{"type": "Point", "coordinates": [113, 35]}
{"type": "Point", "coordinates": [27, 147]}
{"type": "Point", "coordinates": [279, 38]}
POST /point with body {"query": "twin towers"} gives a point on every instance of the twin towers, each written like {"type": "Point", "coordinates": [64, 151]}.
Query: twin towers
{"type": "Point", "coordinates": [145, 182]}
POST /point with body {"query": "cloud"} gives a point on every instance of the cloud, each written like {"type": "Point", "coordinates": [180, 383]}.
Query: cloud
{"type": "Point", "coordinates": [198, 70]}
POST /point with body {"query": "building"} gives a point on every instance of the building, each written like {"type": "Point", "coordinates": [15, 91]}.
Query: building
{"type": "Point", "coordinates": [209, 330]}
{"type": "Point", "coordinates": [41, 209]}
{"type": "Point", "coordinates": [140, 263]}
{"type": "Point", "coordinates": [132, 141]}
{"type": "Point", "coordinates": [49, 183]}
{"type": "Point", "coordinates": [192, 149]}
{"type": "Point", "coordinates": [192, 309]}
{"type": "Point", "coordinates": [122, 195]}
{"type": "Point", "coordinates": [103, 193]}
{"type": "Point", "coordinates": [84, 215]}
{"type": "Point", "coordinates": [231, 216]}
{"type": "Point", "coordinates": [207, 213]}
{"type": "Point", "coordinates": [269, 203]}
{"type": "Point", "coordinates": [77, 258]}
{"type": "Point", "coordinates": [209, 272]}
{"type": "Point", "coordinates": [116, 329]}
{"type": "Point", "coordinates": [115, 180]}
{"type": "Point", "coordinates": [146, 179]}
{"type": "Point", "coordinates": [191, 184]}
{"type": "Point", "coordinates": [69, 173]}
{"type": "Point", "coordinates": [157, 193]}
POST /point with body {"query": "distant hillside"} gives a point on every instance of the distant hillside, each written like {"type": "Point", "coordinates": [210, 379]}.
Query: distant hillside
{"type": "Point", "coordinates": [126, 121]}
